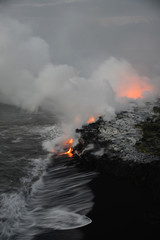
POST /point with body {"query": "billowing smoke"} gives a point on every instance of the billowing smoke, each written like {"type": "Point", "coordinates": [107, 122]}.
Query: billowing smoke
{"type": "Point", "coordinates": [29, 79]}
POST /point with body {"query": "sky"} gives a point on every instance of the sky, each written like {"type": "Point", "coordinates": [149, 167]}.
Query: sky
{"type": "Point", "coordinates": [76, 56]}
{"type": "Point", "coordinates": [84, 32]}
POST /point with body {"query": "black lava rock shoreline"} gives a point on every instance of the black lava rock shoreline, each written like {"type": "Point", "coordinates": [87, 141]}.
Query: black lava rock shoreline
{"type": "Point", "coordinates": [127, 193]}
{"type": "Point", "coordinates": [125, 154]}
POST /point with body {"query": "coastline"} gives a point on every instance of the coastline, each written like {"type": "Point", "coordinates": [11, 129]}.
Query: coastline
{"type": "Point", "coordinates": [126, 193]}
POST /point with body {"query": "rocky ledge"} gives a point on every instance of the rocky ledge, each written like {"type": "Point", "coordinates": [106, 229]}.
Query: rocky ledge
{"type": "Point", "coordinates": [125, 152]}
{"type": "Point", "coordinates": [126, 147]}
{"type": "Point", "coordinates": [132, 135]}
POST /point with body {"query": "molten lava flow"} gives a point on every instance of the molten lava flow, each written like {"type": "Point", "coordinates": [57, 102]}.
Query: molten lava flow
{"type": "Point", "coordinates": [69, 152]}
{"type": "Point", "coordinates": [91, 120]}
{"type": "Point", "coordinates": [69, 141]}
{"type": "Point", "coordinates": [67, 145]}
{"type": "Point", "coordinates": [133, 87]}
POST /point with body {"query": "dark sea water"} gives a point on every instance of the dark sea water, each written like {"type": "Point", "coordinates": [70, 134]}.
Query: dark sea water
{"type": "Point", "coordinates": [40, 197]}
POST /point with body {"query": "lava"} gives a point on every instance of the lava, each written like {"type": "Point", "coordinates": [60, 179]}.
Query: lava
{"type": "Point", "coordinates": [69, 152]}
{"type": "Point", "coordinates": [91, 120]}
{"type": "Point", "coordinates": [69, 141]}
{"type": "Point", "coordinates": [133, 87]}
{"type": "Point", "coordinates": [68, 144]}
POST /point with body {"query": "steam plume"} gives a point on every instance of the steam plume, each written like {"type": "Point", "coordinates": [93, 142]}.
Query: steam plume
{"type": "Point", "coordinates": [29, 79]}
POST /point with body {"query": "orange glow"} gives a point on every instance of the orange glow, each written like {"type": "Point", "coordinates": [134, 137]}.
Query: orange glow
{"type": "Point", "coordinates": [69, 141]}
{"type": "Point", "coordinates": [77, 119]}
{"type": "Point", "coordinates": [67, 144]}
{"type": "Point", "coordinates": [69, 152]}
{"type": "Point", "coordinates": [133, 87]}
{"type": "Point", "coordinates": [91, 120]}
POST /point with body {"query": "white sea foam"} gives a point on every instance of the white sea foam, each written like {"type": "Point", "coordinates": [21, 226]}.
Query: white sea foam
{"type": "Point", "coordinates": [60, 199]}
{"type": "Point", "coordinates": [62, 219]}
{"type": "Point", "coordinates": [13, 207]}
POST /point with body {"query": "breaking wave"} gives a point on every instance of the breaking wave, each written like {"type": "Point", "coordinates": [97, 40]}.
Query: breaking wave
{"type": "Point", "coordinates": [60, 199]}
{"type": "Point", "coordinates": [52, 195]}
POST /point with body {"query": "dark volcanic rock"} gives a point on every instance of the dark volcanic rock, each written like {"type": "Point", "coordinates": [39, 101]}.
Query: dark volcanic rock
{"type": "Point", "coordinates": [127, 186]}
{"type": "Point", "coordinates": [127, 189]}
{"type": "Point", "coordinates": [150, 142]}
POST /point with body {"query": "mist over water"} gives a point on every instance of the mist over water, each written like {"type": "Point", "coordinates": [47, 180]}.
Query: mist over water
{"type": "Point", "coordinates": [64, 57]}
{"type": "Point", "coordinates": [38, 192]}
{"type": "Point", "coordinates": [29, 79]}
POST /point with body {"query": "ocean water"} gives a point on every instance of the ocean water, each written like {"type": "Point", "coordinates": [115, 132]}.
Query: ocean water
{"type": "Point", "coordinates": [39, 192]}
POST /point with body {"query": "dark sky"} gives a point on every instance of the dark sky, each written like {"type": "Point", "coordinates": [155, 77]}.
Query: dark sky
{"type": "Point", "coordinates": [84, 32]}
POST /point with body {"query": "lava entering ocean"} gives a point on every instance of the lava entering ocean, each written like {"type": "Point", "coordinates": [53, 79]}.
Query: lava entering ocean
{"type": "Point", "coordinates": [69, 152]}
{"type": "Point", "coordinates": [68, 144]}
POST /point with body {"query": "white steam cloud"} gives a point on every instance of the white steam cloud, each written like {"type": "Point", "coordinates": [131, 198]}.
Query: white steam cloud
{"type": "Point", "coordinates": [29, 79]}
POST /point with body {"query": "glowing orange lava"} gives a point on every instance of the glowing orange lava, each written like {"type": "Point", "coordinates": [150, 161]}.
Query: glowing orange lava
{"type": "Point", "coordinates": [69, 152]}
{"type": "Point", "coordinates": [67, 145]}
{"type": "Point", "coordinates": [69, 141]}
{"type": "Point", "coordinates": [91, 120]}
{"type": "Point", "coordinates": [133, 87]}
